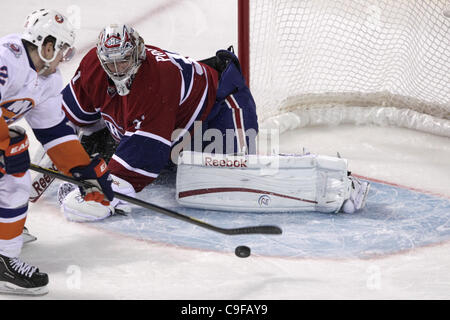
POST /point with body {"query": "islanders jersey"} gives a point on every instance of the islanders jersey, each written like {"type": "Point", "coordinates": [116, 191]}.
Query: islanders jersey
{"type": "Point", "coordinates": [23, 93]}
{"type": "Point", "coordinates": [168, 94]}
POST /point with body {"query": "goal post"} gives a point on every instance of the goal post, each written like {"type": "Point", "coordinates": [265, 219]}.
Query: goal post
{"type": "Point", "coordinates": [244, 37]}
{"type": "Point", "coordinates": [384, 62]}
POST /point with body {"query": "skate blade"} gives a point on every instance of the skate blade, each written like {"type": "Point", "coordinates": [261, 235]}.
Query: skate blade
{"type": "Point", "coordinates": [9, 288]}
{"type": "Point", "coordinates": [27, 237]}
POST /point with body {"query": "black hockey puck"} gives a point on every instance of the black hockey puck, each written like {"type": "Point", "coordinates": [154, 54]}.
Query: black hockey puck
{"type": "Point", "coordinates": [242, 251]}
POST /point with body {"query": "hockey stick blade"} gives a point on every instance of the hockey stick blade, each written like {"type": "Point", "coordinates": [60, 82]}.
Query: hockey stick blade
{"type": "Point", "coordinates": [167, 212]}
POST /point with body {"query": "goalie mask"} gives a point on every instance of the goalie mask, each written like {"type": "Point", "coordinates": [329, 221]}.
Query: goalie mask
{"type": "Point", "coordinates": [121, 51]}
{"type": "Point", "coordinates": [43, 23]}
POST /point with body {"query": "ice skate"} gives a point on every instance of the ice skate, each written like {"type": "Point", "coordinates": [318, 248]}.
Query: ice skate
{"type": "Point", "coordinates": [17, 277]}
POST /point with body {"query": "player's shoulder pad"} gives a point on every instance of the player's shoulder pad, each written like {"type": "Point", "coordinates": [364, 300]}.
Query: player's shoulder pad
{"type": "Point", "coordinates": [90, 60]}
{"type": "Point", "coordinates": [155, 53]}
{"type": "Point", "coordinates": [12, 59]}
{"type": "Point", "coordinates": [159, 66]}
{"type": "Point", "coordinates": [11, 47]}
{"type": "Point", "coordinates": [90, 70]}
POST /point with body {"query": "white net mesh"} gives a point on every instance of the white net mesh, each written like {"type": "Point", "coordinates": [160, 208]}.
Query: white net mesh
{"type": "Point", "coordinates": [327, 54]}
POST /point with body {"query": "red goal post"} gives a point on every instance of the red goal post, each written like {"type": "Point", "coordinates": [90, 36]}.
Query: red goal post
{"type": "Point", "coordinates": [244, 37]}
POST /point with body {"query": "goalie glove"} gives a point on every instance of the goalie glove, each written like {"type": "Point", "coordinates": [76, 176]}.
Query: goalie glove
{"type": "Point", "coordinates": [15, 159]}
{"type": "Point", "coordinates": [75, 208]}
{"type": "Point", "coordinates": [97, 174]}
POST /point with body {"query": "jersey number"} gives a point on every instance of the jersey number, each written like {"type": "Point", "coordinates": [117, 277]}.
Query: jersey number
{"type": "Point", "coordinates": [3, 74]}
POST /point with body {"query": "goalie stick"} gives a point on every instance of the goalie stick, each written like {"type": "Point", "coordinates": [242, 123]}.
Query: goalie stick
{"type": "Point", "coordinates": [232, 231]}
{"type": "Point", "coordinates": [41, 182]}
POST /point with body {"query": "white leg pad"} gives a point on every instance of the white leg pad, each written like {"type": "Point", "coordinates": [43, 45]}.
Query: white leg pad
{"type": "Point", "coordinates": [281, 183]}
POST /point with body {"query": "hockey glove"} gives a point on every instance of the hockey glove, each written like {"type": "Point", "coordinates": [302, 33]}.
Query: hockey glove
{"type": "Point", "coordinates": [76, 209]}
{"type": "Point", "coordinates": [15, 160]}
{"type": "Point", "coordinates": [97, 174]}
{"type": "Point", "coordinates": [100, 142]}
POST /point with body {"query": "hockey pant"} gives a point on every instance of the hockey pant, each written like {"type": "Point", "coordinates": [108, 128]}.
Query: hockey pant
{"type": "Point", "coordinates": [14, 194]}
{"type": "Point", "coordinates": [234, 113]}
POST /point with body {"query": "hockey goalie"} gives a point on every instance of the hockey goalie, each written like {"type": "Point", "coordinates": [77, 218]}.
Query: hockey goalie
{"type": "Point", "coordinates": [150, 100]}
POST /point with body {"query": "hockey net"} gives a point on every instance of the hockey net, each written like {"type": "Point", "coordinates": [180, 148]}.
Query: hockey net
{"type": "Point", "coordinates": [384, 62]}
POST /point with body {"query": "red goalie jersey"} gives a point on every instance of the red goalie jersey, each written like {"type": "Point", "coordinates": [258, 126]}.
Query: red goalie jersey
{"type": "Point", "coordinates": [168, 93]}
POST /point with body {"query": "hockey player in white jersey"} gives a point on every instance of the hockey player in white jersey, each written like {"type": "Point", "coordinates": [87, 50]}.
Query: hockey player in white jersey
{"type": "Point", "coordinates": [30, 86]}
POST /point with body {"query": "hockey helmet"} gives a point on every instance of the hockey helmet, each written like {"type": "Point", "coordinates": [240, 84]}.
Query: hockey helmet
{"type": "Point", "coordinates": [121, 51]}
{"type": "Point", "coordinates": [46, 22]}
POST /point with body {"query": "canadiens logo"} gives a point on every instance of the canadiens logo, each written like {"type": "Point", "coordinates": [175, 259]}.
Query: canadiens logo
{"type": "Point", "coordinates": [14, 48]}
{"type": "Point", "coordinates": [59, 18]}
{"type": "Point", "coordinates": [113, 42]}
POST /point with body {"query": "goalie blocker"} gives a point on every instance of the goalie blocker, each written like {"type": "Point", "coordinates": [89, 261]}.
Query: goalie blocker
{"type": "Point", "coordinates": [282, 183]}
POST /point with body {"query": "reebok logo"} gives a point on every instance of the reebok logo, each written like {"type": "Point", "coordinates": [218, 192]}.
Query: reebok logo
{"type": "Point", "coordinates": [42, 184]}
{"type": "Point", "coordinates": [225, 163]}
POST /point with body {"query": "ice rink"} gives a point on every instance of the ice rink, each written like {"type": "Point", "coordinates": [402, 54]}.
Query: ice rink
{"type": "Point", "coordinates": [103, 261]}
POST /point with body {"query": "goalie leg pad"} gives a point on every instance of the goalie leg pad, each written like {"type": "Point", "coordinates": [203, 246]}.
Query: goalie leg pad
{"type": "Point", "coordinates": [358, 195]}
{"type": "Point", "coordinates": [283, 183]}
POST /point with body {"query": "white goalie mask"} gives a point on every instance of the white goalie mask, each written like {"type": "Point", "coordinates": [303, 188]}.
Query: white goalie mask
{"type": "Point", "coordinates": [121, 51]}
{"type": "Point", "coordinates": [45, 22]}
